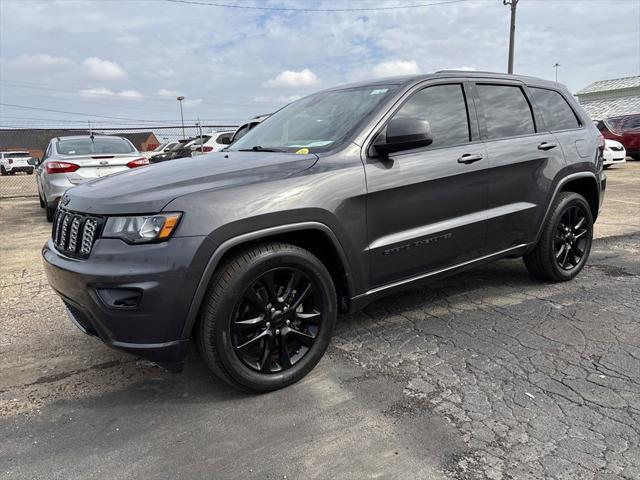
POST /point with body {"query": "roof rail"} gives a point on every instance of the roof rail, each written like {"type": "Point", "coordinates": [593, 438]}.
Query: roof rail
{"type": "Point", "coordinates": [474, 71]}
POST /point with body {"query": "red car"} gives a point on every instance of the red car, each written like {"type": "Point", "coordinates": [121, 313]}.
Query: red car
{"type": "Point", "coordinates": [625, 129]}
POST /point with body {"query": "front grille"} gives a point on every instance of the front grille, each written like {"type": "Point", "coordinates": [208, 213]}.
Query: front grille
{"type": "Point", "coordinates": [75, 233]}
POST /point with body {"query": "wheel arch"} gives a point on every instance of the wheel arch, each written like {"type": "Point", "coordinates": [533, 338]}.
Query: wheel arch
{"type": "Point", "coordinates": [316, 237]}
{"type": "Point", "coordinates": [584, 183]}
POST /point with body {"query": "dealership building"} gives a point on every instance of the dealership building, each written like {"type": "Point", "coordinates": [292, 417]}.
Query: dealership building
{"type": "Point", "coordinates": [611, 98]}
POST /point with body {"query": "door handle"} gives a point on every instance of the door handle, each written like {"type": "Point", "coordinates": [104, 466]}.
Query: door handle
{"type": "Point", "coordinates": [468, 158]}
{"type": "Point", "coordinates": [546, 146]}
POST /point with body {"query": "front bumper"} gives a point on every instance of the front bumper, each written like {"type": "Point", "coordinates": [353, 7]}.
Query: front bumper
{"type": "Point", "coordinates": [163, 275]}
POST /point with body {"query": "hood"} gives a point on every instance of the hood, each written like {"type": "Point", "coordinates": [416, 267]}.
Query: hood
{"type": "Point", "coordinates": [149, 189]}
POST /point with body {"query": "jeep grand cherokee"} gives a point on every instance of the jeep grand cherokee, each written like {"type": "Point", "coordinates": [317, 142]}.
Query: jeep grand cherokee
{"type": "Point", "coordinates": [334, 200]}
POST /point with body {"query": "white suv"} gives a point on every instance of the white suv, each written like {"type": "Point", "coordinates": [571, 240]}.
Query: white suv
{"type": "Point", "coordinates": [12, 162]}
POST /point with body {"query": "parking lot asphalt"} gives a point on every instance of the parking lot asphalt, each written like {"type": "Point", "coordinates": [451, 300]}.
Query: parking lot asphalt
{"type": "Point", "coordinates": [488, 374]}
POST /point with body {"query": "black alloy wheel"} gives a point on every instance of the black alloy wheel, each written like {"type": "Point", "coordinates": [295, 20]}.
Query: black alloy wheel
{"type": "Point", "coordinates": [564, 244]}
{"type": "Point", "coordinates": [268, 316]}
{"type": "Point", "coordinates": [571, 237]}
{"type": "Point", "coordinates": [277, 320]}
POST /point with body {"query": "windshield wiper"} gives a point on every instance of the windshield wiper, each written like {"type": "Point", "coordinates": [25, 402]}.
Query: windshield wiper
{"type": "Point", "coordinates": [258, 148]}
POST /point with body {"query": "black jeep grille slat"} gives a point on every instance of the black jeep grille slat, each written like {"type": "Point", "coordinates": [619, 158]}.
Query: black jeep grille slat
{"type": "Point", "coordinates": [75, 233]}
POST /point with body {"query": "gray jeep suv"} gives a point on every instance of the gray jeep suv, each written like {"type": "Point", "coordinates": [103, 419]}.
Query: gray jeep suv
{"type": "Point", "coordinates": [334, 200]}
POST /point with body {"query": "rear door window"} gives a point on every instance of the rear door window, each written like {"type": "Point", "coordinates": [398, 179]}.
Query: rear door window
{"type": "Point", "coordinates": [445, 108]}
{"type": "Point", "coordinates": [556, 112]}
{"type": "Point", "coordinates": [507, 112]}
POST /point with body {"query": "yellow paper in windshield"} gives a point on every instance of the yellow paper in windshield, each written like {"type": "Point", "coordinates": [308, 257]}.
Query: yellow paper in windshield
{"type": "Point", "coordinates": [303, 151]}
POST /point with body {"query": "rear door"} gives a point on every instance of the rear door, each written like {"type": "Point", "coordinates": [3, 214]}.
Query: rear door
{"type": "Point", "coordinates": [522, 160]}
{"type": "Point", "coordinates": [425, 208]}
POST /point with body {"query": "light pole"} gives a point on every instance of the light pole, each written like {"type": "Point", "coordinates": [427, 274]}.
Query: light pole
{"type": "Point", "coordinates": [512, 31]}
{"type": "Point", "coordinates": [556, 65]}
{"type": "Point", "coordinates": [180, 99]}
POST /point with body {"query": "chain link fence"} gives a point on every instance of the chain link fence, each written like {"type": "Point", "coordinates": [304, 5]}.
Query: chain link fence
{"type": "Point", "coordinates": [35, 141]}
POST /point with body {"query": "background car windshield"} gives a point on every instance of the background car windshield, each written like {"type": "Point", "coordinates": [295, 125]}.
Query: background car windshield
{"type": "Point", "coordinates": [87, 146]}
{"type": "Point", "coordinates": [318, 123]}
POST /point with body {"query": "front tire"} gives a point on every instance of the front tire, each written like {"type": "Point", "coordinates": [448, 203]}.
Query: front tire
{"type": "Point", "coordinates": [565, 242]}
{"type": "Point", "coordinates": [268, 317]}
{"type": "Point", "coordinates": [3, 171]}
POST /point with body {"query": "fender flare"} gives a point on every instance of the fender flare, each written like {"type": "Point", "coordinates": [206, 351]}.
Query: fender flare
{"type": "Point", "coordinates": [562, 182]}
{"type": "Point", "coordinates": [224, 247]}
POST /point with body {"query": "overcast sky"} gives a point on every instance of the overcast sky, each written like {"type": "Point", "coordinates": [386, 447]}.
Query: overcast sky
{"type": "Point", "coordinates": [130, 59]}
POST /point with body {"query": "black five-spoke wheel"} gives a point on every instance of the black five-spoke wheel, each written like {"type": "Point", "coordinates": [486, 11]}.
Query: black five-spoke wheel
{"type": "Point", "coordinates": [571, 237]}
{"type": "Point", "coordinates": [277, 320]}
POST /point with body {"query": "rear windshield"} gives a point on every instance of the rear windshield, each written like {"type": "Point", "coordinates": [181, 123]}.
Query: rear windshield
{"type": "Point", "coordinates": [99, 145]}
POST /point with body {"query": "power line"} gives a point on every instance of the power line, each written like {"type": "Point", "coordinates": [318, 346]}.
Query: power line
{"type": "Point", "coordinates": [290, 9]}
{"type": "Point", "coordinates": [26, 107]}
{"type": "Point", "coordinates": [89, 94]}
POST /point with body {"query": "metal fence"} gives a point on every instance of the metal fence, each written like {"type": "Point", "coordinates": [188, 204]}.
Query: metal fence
{"type": "Point", "coordinates": [35, 141]}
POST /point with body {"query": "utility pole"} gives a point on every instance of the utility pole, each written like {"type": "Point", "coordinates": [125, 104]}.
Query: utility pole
{"type": "Point", "coordinates": [512, 30]}
{"type": "Point", "coordinates": [180, 99]}
{"type": "Point", "coordinates": [556, 65]}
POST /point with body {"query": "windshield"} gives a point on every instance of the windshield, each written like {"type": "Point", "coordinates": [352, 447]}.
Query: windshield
{"type": "Point", "coordinates": [17, 154]}
{"type": "Point", "coordinates": [317, 123]}
{"type": "Point", "coordinates": [99, 145]}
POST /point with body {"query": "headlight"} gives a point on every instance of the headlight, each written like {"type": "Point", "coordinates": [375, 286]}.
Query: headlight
{"type": "Point", "coordinates": [142, 229]}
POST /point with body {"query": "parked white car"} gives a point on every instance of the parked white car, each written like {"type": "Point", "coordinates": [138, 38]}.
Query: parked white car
{"type": "Point", "coordinates": [614, 153]}
{"type": "Point", "coordinates": [18, 161]}
{"type": "Point", "coordinates": [213, 142]}
{"type": "Point", "coordinates": [162, 148]}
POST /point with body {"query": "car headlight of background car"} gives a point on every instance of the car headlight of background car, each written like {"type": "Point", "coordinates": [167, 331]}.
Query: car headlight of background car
{"type": "Point", "coordinates": [142, 229]}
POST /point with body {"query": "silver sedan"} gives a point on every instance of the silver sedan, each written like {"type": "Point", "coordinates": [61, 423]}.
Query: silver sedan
{"type": "Point", "coordinates": [70, 161]}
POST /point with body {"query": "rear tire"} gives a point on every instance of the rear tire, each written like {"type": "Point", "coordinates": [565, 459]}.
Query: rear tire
{"type": "Point", "coordinates": [30, 172]}
{"type": "Point", "coordinates": [267, 318]}
{"type": "Point", "coordinates": [50, 212]}
{"type": "Point", "coordinates": [565, 242]}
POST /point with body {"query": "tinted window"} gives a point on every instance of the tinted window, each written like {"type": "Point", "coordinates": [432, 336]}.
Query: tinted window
{"type": "Point", "coordinates": [444, 107]}
{"type": "Point", "coordinates": [556, 112]}
{"type": "Point", "coordinates": [632, 122]}
{"type": "Point", "coordinates": [97, 145]}
{"type": "Point", "coordinates": [506, 111]}
{"type": "Point", "coordinates": [17, 154]}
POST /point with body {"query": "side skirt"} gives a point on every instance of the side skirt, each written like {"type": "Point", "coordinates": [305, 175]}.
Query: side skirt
{"type": "Point", "coordinates": [360, 301]}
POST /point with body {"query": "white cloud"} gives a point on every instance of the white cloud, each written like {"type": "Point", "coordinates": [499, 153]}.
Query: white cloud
{"type": "Point", "coordinates": [395, 67]}
{"type": "Point", "coordinates": [104, 69]}
{"type": "Point", "coordinates": [192, 102]}
{"type": "Point", "coordinates": [42, 62]}
{"type": "Point", "coordinates": [166, 72]}
{"type": "Point", "coordinates": [163, 92]}
{"type": "Point", "coordinates": [279, 99]}
{"type": "Point", "coordinates": [291, 79]}
{"type": "Point", "coordinates": [105, 92]}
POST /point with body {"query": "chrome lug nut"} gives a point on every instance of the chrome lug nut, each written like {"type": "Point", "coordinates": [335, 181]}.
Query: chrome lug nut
{"type": "Point", "coordinates": [268, 325]}
{"type": "Point", "coordinates": [288, 322]}
{"type": "Point", "coordinates": [277, 332]}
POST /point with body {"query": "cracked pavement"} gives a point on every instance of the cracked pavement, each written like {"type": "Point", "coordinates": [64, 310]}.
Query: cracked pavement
{"type": "Point", "coordinates": [488, 374]}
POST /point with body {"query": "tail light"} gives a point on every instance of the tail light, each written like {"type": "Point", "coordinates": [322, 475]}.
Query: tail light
{"type": "Point", "coordinates": [61, 167]}
{"type": "Point", "coordinates": [207, 148]}
{"type": "Point", "coordinates": [601, 143]}
{"type": "Point", "coordinates": [138, 162]}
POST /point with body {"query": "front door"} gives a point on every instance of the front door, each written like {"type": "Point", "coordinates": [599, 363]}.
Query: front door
{"type": "Point", "coordinates": [425, 207]}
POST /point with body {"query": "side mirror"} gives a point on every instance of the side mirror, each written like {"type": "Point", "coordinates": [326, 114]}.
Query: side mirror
{"type": "Point", "coordinates": [403, 134]}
